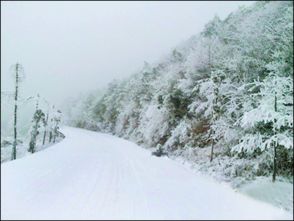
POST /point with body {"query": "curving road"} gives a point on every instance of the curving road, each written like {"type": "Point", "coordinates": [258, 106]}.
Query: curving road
{"type": "Point", "coordinates": [98, 176]}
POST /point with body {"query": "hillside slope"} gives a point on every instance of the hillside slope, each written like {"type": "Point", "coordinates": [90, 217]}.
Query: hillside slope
{"type": "Point", "coordinates": [223, 99]}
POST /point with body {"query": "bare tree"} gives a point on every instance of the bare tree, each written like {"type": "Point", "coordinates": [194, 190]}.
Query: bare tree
{"type": "Point", "coordinates": [18, 74]}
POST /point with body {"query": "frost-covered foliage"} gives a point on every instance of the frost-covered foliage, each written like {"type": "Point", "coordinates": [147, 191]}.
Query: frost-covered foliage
{"type": "Point", "coordinates": [79, 111]}
{"type": "Point", "coordinates": [38, 118]}
{"type": "Point", "coordinates": [54, 125]}
{"type": "Point", "coordinates": [231, 86]}
{"type": "Point", "coordinates": [44, 131]}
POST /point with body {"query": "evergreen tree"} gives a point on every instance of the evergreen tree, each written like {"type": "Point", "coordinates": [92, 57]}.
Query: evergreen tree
{"type": "Point", "coordinates": [56, 121]}
{"type": "Point", "coordinates": [38, 118]}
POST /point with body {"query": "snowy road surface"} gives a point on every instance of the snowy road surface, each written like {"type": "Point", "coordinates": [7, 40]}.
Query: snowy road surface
{"type": "Point", "coordinates": [98, 176]}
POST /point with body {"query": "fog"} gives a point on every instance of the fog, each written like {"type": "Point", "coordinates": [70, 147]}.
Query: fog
{"type": "Point", "coordinates": [72, 47]}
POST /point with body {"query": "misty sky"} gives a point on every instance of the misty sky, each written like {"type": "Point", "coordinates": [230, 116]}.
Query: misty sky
{"type": "Point", "coordinates": [70, 47]}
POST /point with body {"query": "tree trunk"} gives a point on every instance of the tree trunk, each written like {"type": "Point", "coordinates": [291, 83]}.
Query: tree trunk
{"type": "Point", "coordinates": [50, 136]}
{"type": "Point", "coordinates": [275, 145]}
{"type": "Point", "coordinates": [214, 116]}
{"type": "Point", "coordinates": [44, 137]}
{"type": "Point", "coordinates": [211, 154]}
{"type": "Point", "coordinates": [54, 137]}
{"type": "Point", "coordinates": [13, 157]}
{"type": "Point", "coordinates": [45, 132]}
{"type": "Point", "coordinates": [212, 142]}
{"type": "Point", "coordinates": [275, 164]}
{"type": "Point", "coordinates": [211, 132]}
{"type": "Point", "coordinates": [32, 145]}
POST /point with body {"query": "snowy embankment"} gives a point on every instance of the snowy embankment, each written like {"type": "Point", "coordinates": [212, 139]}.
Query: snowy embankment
{"type": "Point", "coordinates": [91, 175]}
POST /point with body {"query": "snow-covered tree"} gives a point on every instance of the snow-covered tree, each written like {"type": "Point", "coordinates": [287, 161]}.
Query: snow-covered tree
{"type": "Point", "coordinates": [270, 123]}
{"type": "Point", "coordinates": [38, 118]}
{"type": "Point", "coordinates": [218, 89]}
{"type": "Point", "coordinates": [55, 122]}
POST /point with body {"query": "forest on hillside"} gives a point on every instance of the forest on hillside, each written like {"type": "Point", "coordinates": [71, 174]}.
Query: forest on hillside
{"type": "Point", "coordinates": [223, 99]}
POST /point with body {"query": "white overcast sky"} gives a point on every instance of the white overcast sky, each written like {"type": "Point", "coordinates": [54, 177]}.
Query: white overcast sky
{"type": "Point", "coordinates": [71, 47]}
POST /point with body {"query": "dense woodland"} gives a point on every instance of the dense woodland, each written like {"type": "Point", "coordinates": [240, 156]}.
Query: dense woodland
{"type": "Point", "coordinates": [223, 99]}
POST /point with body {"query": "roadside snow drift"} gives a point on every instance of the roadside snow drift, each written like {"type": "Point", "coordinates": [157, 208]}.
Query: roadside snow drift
{"type": "Point", "coordinates": [91, 175]}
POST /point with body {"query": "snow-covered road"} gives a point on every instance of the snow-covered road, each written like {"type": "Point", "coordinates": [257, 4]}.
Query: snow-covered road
{"type": "Point", "coordinates": [97, 176]}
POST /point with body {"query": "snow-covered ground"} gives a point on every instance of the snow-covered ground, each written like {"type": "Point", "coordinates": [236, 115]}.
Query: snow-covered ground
{"type": "Point", "coordinates": [22, 149]}
{"type": "Point", "coordinates": [279, 193]}
{"type": "Point", "coordinates": [91, 175]}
